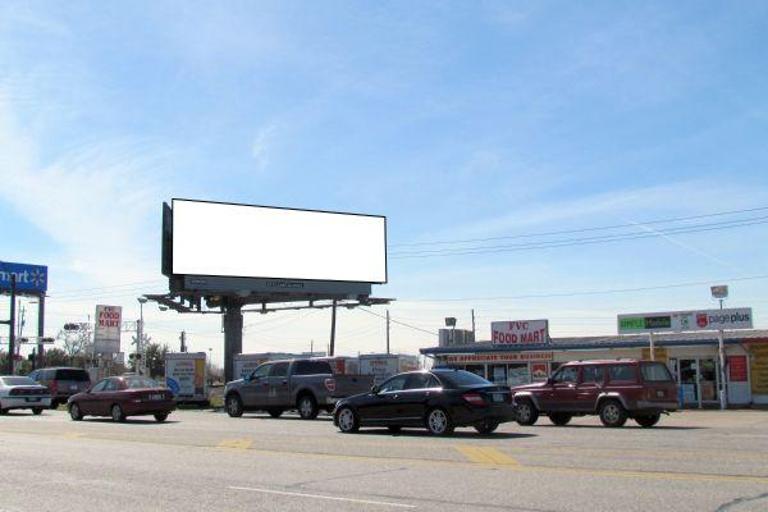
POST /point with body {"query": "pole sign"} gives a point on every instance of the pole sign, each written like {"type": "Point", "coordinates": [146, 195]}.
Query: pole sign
{"type": "Point", "coordinates": [520, 331]}
{"type": "Point", "coordinates": [106, 335]}
{"type": "Point", "coordinates": [680, 321]}
{"type": "Point", "coordinates": [29, 278]}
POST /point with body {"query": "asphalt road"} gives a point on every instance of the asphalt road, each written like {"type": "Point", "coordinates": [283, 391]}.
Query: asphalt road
{"type": "Point", "coordinates": [203, 460]}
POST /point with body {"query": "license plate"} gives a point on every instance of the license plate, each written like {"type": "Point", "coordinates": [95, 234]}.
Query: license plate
{"type": "Point", "coordinates": [73, 387]}
{"type": "Point", "coordinates": [155, 397]}
{"type": "Point", "coordinates": [659, 394]}
{"type": "Point", "coordinates": [497, 398]}
{"type": "Point", "coordinates": [33, 399]}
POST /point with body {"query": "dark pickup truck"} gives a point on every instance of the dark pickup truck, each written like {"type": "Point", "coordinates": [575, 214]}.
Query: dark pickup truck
{"type": "Point", "coordinates": [307, 385]}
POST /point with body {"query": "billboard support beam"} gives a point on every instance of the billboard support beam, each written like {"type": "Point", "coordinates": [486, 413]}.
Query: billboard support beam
{"type": "Point", "coordinates": [233, 335]}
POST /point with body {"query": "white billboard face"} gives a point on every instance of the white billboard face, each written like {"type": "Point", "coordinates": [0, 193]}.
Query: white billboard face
{"type": "Point", "coordinates": [519, 331]}
{"type": "Point", "coordinates": [215, 239]}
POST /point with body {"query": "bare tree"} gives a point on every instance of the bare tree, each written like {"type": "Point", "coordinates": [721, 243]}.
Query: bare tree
{"type": "Point", "coordinates": [76, 338]}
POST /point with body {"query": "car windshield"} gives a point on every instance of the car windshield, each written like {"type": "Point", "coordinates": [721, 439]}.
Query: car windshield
{"type": "Point", "coordinates": [140, 383]}
{"type": "Point", "coordinates": [656, 372]}
{"type": "Point", "coordinates": [462, 379]}
{"type": "Point", "coordinates": [18, 381]}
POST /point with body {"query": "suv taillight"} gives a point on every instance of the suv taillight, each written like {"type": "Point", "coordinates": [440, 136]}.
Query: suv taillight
{"type": "Point", "coordinates": [330, 385]}
{"type": "Point", "coordinates": [473, 398]}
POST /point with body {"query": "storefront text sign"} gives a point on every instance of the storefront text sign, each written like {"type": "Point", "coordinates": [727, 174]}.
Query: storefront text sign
{"type": "Point", "coordinates": [106, 336]}
{"type": "Point", "coordinates": [498, 357]}
{"type": "Point", "coordinates": [681, 321]}
{"type": "Point", "coordinates": [519, 331]}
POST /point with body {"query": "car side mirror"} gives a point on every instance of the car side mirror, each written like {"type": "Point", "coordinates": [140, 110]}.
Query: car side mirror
{"type": "Point", "coordinates": [375, 389]}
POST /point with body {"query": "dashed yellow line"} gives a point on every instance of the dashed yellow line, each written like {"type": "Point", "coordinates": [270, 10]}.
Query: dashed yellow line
{"type": "Point", "coordinates": [486, 455]}
{"type": "Point", "coordinates": [237, 444]}
{"type": "Point", "coordinates": [72, 435]}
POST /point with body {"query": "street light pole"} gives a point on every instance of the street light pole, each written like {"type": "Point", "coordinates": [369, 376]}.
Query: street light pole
{"type": "Point", "coordinates": [140, 335]}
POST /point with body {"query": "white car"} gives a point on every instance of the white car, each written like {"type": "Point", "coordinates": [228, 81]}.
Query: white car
{"type": "Point", "coordinates": [23, 393]}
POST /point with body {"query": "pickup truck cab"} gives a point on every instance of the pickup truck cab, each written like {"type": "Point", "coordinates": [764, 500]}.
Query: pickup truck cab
{"type": "Point", "coordinates": [306, 385]}
{"type": "Point", "coordinates": [615, 390]}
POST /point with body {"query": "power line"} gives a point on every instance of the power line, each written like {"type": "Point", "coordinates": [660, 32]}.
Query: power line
{"type": "Point", "coordinates": [578, 241]}
{"type": "Point", "coordinates": [77, 291]}
{"type": "Point", "coordinates": [592, 292]}
{"type": "Point", "coordinates": [587, 229]}
{"type": "Point", "coordinates": [433, 333]}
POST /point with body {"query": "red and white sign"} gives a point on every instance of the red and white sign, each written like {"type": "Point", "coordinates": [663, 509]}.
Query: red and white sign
{"type": "Point", "coordinates": [106, 335]}
{"type": "Point", "coordinates": [737, 368]}
{"type": "Point", "coordinates": [539, 371]}
{"type": "Point", "coordinates": [520, 331]}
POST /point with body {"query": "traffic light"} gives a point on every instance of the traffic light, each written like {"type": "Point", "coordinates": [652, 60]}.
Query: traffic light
{"type": "Point", "coordinates": [71, 327]}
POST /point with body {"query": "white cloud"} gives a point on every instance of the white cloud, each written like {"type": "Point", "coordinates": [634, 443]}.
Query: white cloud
{"type": "Point", "coordinates": [262, 143]}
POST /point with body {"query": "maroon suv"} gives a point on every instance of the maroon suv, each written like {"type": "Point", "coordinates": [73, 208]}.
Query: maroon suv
{"type": "Point", "coordinates": [613, 389]}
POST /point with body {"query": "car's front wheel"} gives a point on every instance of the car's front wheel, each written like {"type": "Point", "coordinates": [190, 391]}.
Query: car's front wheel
{"type": "Point", "coordinates": [560, 418]}
{"type": "Point", "coordinates": [439, 422]}
{"type": "Point", "coordinates": [161, 417]}
{"type": "Point", "coordinates": [487, 427]}
{"type": "Point", "coordinates": [648, 420]}
{"type": "Point", "coordinates": [118, 416]}
{"type": "Point", "coordinates": [347, 420]}
{"type": "Point", "coordinates": [75, 413]}
{"type": "Point", "coordinates": [526, 412]}
{"type": "Point", "coordinates": [234, 406]}
{"type": "Point", "coordinates": [613, 414]}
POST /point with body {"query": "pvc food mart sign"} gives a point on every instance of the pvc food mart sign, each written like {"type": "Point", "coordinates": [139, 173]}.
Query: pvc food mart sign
{"type": "Point", "coordinates": [519, 331]}
{"type": "Point", "coordinates": [679, 321]}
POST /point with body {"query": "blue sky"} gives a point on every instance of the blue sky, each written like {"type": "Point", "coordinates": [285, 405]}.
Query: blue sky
{"type": "Point", "coordinates": [456, 120]}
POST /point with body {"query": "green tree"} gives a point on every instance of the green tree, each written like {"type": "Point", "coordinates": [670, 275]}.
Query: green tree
{"type": "Point", "coordinates": [56, 357]}
{"type": "Point", "coordinates": [154, 354]}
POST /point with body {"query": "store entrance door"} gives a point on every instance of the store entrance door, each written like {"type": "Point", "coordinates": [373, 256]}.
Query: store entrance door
{"type": "Point", "coordinates": [698, 378]}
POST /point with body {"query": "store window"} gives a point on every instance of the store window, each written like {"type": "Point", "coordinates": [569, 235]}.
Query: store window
{"type": "Point", "coordinates": [518, 374]}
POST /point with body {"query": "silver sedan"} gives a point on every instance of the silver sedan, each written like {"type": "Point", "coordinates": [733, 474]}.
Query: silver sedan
{"type": "Point", "coordinates": [23, 393]}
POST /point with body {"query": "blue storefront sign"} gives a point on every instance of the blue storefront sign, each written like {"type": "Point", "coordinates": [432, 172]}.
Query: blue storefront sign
{"type": "Point", "coordinates": [29, 278]}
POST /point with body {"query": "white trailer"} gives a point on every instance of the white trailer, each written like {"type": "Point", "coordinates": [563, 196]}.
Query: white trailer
{"type": "Point", "coordinates": [186, 375]}
{"type": "Point", "coordinates": [383, 366]}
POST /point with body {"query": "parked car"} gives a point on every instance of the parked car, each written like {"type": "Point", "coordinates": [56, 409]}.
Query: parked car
{"type": "Point", "coordinates": [613, 389]}
{"type": "Point", "coordinates": [62, 382]}
{"type": "Point", "coordinates": [440, 400]}
{"type": "Point", "coordinates": [23, 393]}
{"type": "Point", "coordinates": [121, 397]}
{"type": "Point", "coordinates": [307, 385]}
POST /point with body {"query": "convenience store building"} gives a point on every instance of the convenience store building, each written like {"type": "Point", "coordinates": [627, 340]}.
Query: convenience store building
{"type": "Point", "coordinates": [692, 358]}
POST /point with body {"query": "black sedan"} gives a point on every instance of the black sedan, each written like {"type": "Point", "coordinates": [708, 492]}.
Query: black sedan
{"type": "Point", "coordinates": [440, 400]}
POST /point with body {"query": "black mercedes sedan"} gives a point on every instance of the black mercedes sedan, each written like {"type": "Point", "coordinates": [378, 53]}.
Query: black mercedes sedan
{"type": "Point", "coordinates": [440, 400]}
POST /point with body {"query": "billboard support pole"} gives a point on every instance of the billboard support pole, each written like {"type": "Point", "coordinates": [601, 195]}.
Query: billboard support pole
{"type": "Point", "coordinates": [40, 331]}
{"type": "Point", "coordinates": [12, 327]}
{"type": "Point", "coordinates": [332, 346]}
{"type": "Point", "coordinates": [233, 336]}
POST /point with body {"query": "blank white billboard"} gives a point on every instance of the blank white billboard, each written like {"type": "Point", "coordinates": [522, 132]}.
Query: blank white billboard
{"type": "Point", "coordinates": [232, 240]}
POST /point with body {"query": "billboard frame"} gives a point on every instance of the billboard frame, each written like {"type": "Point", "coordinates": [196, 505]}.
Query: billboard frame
{"type": "Point", "coordinates": [167, 246]}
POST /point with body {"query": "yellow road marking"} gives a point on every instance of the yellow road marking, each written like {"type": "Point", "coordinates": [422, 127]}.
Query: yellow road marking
{"type": "Point", "coordinates": [486, 455]}
{"type": "Point", "coordinates": [237, 444]}
{"type": "Point", "coordinates": [72, 435]}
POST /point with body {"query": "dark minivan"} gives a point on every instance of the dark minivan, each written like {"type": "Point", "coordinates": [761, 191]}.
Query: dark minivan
{"type": "Point", "coordinates": [63, 382]}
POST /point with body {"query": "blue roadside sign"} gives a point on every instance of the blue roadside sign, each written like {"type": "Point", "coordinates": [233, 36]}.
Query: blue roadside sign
{"type": "Point", "coordinates": [29, 278]}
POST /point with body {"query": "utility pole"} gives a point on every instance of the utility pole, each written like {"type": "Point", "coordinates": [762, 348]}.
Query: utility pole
{"type": "Point", "coordinates": [332, 346]}
{"type": "Point", "coordinates": [183, 339]}
{"type": "Point", "coordinates": [12, 326]}
{"type": "Point", "coordinates": [387, 331]}
{"type": "Point", "coordinates": [474, 334]}
{"type": "Point", "coordinates": [40, 330]}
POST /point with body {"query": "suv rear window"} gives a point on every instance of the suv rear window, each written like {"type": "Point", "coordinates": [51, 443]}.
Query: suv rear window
{"type": "Point", "coordinates": [655, 372]}
{"type": "Point", "coordinates": [312, 368]}
{"type": "Point", "coordinates": [76, 375]}
{"type": "Point", "coordinates": [622, 372]}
